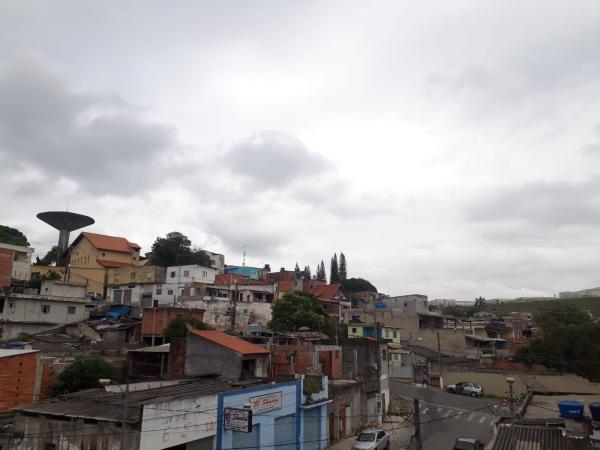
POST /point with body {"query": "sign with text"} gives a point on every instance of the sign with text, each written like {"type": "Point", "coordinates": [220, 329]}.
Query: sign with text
{"type": "Point", "coordinates": [235, 419]}
{"type": "Point", "coordinates": [267, 402]}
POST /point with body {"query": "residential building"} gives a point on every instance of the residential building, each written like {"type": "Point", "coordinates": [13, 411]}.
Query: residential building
{"type": "Point", "coordinates": [58, 303]}
{"type": "Point", "coordinates": [306, 358]}
{"type": "Point", "coordinates": [283, 417]}
{"type": "Point", "coordinates": [357, 329]}
{"type": "Point", "coordinates": [38, 272]}
{"type": "Point", "coordinates": [218, 261]}
{"type": "Point", "coordinates": [156, 320]}
{"type": "Point", "coordinates": [148, 362]}
{"type": "Point", "coordinates": [408, 304]}
{"type": "Point", "coordinates": [178, 278]}
{"type": "Point", "coordinates": [211, 352]}
{"type": "Point", "coordinates": [20, 262]}
{"type": "Point", "coordinates": [332, 297]}
{"type": "Point", "coordinates": [485, 348]}
{"type": "Point", "coordinates": [91, 255]}
{"type": "Point", "coordinates": [286, 281]}
{"type": "Point", "coordinates": [134, 285]}
{"type": "Point", "coordinates": [252, 273]}
{"type": "Point", "coordinates": [24, 378]}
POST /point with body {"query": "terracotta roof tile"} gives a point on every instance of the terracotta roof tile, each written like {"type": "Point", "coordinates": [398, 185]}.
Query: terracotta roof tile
{"type": "Point", "coordinates": [111, 243]}
{"type": "Point", "coordinates": [231, 342]}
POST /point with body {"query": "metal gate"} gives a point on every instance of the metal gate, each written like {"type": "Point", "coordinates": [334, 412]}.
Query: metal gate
{"type": "Point", "coordinates": [312, 428]}
{"type": "Point", "coordinates": [285, 432]}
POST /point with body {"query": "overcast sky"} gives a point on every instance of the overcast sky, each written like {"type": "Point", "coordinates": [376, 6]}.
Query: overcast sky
{"type": "Point", "coordinates": [447, 148]}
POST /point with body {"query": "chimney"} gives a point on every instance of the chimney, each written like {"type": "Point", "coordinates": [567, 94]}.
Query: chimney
{"type": "Point", "coordinates": [575, 424]}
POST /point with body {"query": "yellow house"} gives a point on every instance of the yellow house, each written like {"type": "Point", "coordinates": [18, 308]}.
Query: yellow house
{"type": "Point", "coordinates": [92, 255]}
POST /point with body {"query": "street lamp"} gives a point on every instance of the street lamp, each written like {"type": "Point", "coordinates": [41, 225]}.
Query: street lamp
{"type": "Point", "coordinates": [511, 381]}
{"type": "Point", "coordinates": [125, 393]}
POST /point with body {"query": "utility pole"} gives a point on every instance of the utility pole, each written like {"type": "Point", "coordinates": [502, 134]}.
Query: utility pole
{"type": "Point", "coordinates": [417, 424]}
{"type": "Point", "coordinates": [234, 310]}
{"type": "Point", "coordinates": [440, 361]}
{"type": "Point", "coordinates": [510, 381]}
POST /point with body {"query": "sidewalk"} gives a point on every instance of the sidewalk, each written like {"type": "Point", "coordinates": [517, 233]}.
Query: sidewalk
{"type": "Point", "coordinates": [399, 429]}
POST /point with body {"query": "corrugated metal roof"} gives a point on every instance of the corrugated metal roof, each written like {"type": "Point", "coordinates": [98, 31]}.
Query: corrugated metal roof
{"type": "Point", "coordinates": [5, 353]}
{"type": "Point", "coordinates": [101, 405]}
{"type": "Point", "coordinates": [518, 437]}
{"type": "Point", "coordinates": [231, 342]}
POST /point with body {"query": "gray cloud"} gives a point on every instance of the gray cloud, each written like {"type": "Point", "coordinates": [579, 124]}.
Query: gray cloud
{"type": "Point", "coordinates": [274, 159]}
{"type": "Point", "coordinates": [95, 140]}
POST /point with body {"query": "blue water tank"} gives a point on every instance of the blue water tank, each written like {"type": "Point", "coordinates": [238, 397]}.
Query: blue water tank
{"type": "Point", "coordinates": [595, 410]}
{"type": "Point", "coordinates": [571, 409]}
{"type": "Point", "coordinates": [380, 305]}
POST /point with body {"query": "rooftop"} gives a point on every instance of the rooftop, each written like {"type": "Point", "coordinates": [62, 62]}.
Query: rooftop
{"type": "Point", "coordinates": [546, 406]}
{"type": "Point", "coordinates": [231, 342]}
{"type": "Point", "coordinates": [521, 437]}
{"type": "Point", "coordinates": [7, 353]}
{"type": "Point", "coordinates": [105, 242]}
{"type": "Point", "coordinates": [164, 348]}
{"type": "Point", "coordinates": [103, 405]}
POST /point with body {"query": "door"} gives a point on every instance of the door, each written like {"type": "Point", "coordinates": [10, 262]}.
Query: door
{"type": "Point", "coordinates": [127, 297]}
{"type": "Point", "coordinates": [285, 432]}
{"type": "Point", "coordinates": [331, 428]}
{"type": "Point", "coordinates": [312, 429]}
{"type": "Point", "coordinates": [342, 421]}
{"type": "Point", "coordinates": [246, 441]}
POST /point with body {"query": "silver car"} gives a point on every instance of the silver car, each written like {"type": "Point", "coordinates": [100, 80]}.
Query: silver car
{"type": "Point", "coordinates": [372, 439]}
{"type": "Point", "coordinates": [465, 388]}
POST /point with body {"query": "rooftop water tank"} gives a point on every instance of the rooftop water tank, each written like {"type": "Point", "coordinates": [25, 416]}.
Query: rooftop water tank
{"type": "Point", "coordinates": [571, 409]}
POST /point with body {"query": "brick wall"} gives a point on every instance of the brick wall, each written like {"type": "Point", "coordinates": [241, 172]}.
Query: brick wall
{"type": "Point", "coordinates": [47, 378]}
{"type": "Point", "coordinates": [155, 320]}
{"type": "Point", "coordinates": [177, 353]}
{"type": "Point", "coordinates": [17, 380]}
{"type": "Point", "coordinates": [6, 262]}
{"type": "Point", "coordinates": [331, 363]}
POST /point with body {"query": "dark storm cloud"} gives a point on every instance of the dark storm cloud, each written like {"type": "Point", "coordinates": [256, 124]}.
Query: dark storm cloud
{"type": "Point", "coordinates": [552, 204]}
{"type": "Point", "coordinates": [273, 159]}
{"type": "Point", "coordinates": [95, 140]}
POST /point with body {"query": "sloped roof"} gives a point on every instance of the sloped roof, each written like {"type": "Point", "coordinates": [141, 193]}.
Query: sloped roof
{"type": "Point", "coordinates": [111, 243]}
{"type": "Point", "coordinates": [325, 291]}
{"type": "Point", "coordinates": [109, 263]}
{"type": "Point", "coordinates": [231, 342]}
{"type": "Point", "coordinates": [519, 437]}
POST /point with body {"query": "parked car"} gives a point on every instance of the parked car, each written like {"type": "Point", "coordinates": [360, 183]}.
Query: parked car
{"type": "Point", "coordinates": [466, 388]}
{"type": "Point", "coordinates": [372, 439]}
{"type": "Point", "coordinates": [467, 444]}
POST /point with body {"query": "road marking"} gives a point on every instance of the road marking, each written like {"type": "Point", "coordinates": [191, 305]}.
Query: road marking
{"type": "Point", "coordinates": [470, 417]}
{"type": "Point", "coordinates": [448, 413]}
{"type": "Point", "coordinates": [483, 419]}
{"type": "Point", "coordinates": [425, 410]}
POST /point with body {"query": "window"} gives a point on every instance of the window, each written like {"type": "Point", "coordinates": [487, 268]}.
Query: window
{"type": "Point", "coordinates": [158, 290]}
{"type": "Point", "coordinates": [11, 305]}
{"type": "Point", "coordinates": [204, 273]}
{"type": "Point", "coordinates": [170, 292]}
{"type": "Point", "coordinates": [103, 253]}
{"type": "Point", "coordinates": [395, 334]}
{"type": "Point", "coordinates": [353, 330]}
{"type": "Point", "coordinates": [172, 274]}
{"type": "Point", "coordinates": [384, 354]}
{"type": "Point", "coordinates": [117, 296]}
{"type": "Point", "coordinates": [1, 305]}
{"type": "Point", "coordinates": [186, 273]}
{"type": "Point", "coordinates": [148, 274]}
{"type": "Point", "coordinates": [71, 310]}
{"type": "Point", "coordinates": [45, 309]}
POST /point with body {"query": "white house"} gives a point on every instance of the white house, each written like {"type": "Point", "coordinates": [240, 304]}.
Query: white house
{"type": "Point", "coordinates": [21, 264]}
{"type": "Point", "coordinates": [178, 277]}
{"type": "Point", "coordinates": [58, 304]}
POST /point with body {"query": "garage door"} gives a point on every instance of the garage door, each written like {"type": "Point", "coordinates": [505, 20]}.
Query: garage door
{"type": "Point", "coordinates": [312, 426]}
{"type": "Point", "coordinates": [285, 432]}
{"type": "Point", "coordinates": [246, 441]}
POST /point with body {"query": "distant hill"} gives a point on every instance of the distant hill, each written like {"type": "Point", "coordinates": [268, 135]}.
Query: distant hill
{"type": "Point", "coordinates": [589, 303]}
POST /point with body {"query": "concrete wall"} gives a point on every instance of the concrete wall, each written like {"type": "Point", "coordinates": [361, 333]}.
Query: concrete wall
{"type": "Point", "coordinates": [204, 357]}
{"type": "Point", "coordinates": [73, 434]}
{"type": "Point", "coordinates": [62, 289]}
{"type": "Point", "coordinates": [494, 383]}
{"type": "Point", "coordinates": [21, 261]}
{"type": "Point", "coordinates": [216, 311]}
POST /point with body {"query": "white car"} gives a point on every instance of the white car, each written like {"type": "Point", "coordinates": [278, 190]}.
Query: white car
{"type": "Point", "coordinates": [372, 439]}
{"type": "Point", "coordinates": [465, 388]}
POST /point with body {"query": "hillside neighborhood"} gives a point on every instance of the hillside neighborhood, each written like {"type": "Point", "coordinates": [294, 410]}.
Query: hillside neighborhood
{"type": "Point", "coordinates": [106, 347]}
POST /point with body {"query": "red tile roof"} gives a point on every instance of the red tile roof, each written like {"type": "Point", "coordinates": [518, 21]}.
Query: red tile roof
{"type": "Point", "coordinates": [325, 291]}
{"type": "Point", "coordinates": [231, 342]}
{"type": "Point", "coordinates": [111, 243]}
{"type": "Point", "coordinates": [109, 263]}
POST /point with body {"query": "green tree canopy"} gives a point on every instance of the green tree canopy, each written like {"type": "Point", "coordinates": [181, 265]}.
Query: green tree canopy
{"type": "Point", "coordinates": [300, 309]}
{"type": "Point", "coordinates": [343, 271]}
{"type": "Point", "coordinates": [353, 285]}
{"type": "Point", "coordinates": [334, 275]}
{"type": "Point", "coordinates": [321, 275]}
{"type": "Point", "coordinates": [12, 236]}
{"type": "Point", "coordinates": [83, 373]}
{"type": "Point", "coordinates": [49, 259]}
{"type": "Point", "coordinates": [175, 249]}
{"type": "Point", "coordinates": [179, 328]}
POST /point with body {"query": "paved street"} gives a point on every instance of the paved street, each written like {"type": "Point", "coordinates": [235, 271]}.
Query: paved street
{"type": "Point", "coordinates": [445, 416]}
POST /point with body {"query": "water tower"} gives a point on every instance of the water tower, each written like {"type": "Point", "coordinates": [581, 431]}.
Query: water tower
{"type": "Point", "coordinates": [64, 222]}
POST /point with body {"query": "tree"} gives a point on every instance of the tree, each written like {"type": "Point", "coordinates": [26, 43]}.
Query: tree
{"type": "Point", "coordinates": [479, 303]}
{"type": "Point", "coordinates": [49, 259]}
{"type": "Point", "coordinates": [180, 326]}
{"type": "Point", "coordinates": [297, 268]}
{"type": "Point", "coordinates": [300, 309]}
{"type": "Point", "coordinates": [83, 373]}
{"type": "Point", "coordinates": [321, 275]}
{"type": "Point", "coordinates": [176, 249]}
{"type": "Point", "coordinates": [353, 285]}
{"type": "Point", "coordinates": [334, 275]}
{"type": "Point", "coordinates": [307, 273]}
{"type": "Point", "coordinates": [36, 283]}
{"type": "Point", "coordinates": [12, 236]}
{"type": "Point", "coordinates": [343, 271]}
